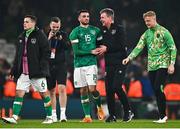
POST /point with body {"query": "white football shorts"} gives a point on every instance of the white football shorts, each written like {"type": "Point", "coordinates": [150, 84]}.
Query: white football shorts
{"type": "Point", "coordinates": [85, 76]}
{"type": "Point", "coordinates": [38, 84]}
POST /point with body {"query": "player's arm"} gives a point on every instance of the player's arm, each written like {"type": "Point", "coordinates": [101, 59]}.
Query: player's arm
{"type": "Point", "coordinates": [139, 47]}
{"type": "Point", "coordinates": [14, 68]}
{"type": "Point", "coordinates": [44, 50]}
{"type": "Point", "coordinates": [173, 51]}
{"type": "Point", "coordinates": [79, 52]}
{"type": "Point", "coordinates": [99, 40]}
{"type": "Point", "coordinates": [171, 45]}
{"type": "Point", "coordinates": [75, 41]}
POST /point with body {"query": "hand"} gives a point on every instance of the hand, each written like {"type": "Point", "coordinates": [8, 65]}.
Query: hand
{"type": "Point", "coordinates": [102, 49]}
{"type": "Point", "coordinates": [51, 34]}
{"type": "Point", "coordinates": [171, 69]}
{"type": "Point", "coordinates": [125, 61]}
{"type": "Point", "coordinates": [95, 51]}
{"type": "Point", "coordinates": [11, 77]}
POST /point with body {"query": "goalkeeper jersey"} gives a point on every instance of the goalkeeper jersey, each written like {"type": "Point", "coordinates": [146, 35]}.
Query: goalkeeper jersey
{"type": "Point", "coordinates": [160, 45]}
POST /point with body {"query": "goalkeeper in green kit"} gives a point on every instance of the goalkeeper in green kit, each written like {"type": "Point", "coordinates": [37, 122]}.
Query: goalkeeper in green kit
{"type": "Point", "coordinates": [161, 58]}
{"type": "Point", "coordinates": [84, 39]}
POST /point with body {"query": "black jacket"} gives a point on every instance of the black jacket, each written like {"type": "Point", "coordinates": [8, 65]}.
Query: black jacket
{"type": "Point", "coordinates": [38, 52]}
{"type": "Point", "coordinates": [61, 45]}
{"type": "Point", "coordinates": [114, 40]}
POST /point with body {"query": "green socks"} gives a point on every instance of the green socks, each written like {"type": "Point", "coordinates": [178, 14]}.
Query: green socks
{"type": "Point", "coordinates": [86, 105]}
{"type": "Point", "coordinates": [48, 106]}
{"type": "Point", "coordinates": [96, 98]}
{"type": "Point", "coordinates": [17, 105]}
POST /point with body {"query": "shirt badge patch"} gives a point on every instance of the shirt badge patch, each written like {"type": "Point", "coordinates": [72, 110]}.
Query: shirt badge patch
{"type": "Point", "coordinates": [20, 41]}
{"type": "Point", "coordinates": [157, 35]}
{"type": "Point", "coordinates": [33, 41]}
{"type": "Point", "coordinates": [92, 32]}
{"type": "Point", "coordinates": [113, 32]}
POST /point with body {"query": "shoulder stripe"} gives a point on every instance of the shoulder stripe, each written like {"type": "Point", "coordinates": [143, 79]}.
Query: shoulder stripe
{"type": "Point", "coordinates": [99, 38]}
{"type": "Point", "coordinates": [75, 41]}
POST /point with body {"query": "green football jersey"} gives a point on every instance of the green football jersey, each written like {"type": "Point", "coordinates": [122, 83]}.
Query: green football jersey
{"type": "Point", "coordinates": [160, 45]}
{"type": "Point", "coordinates": [84, 41]}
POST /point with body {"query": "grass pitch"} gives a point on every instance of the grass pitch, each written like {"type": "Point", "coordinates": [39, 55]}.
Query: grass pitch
{"type": "Point", "coordinates": [94, 124]}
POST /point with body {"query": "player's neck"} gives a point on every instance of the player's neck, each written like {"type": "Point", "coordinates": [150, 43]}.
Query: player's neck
{"type": "Point", "coordinates": [85, 26]}
{"type": "Point", "coordinates": [109, 25]}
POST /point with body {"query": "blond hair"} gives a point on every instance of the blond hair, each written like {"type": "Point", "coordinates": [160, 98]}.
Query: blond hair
{"type": "Point", "coordinates": [149, 14]}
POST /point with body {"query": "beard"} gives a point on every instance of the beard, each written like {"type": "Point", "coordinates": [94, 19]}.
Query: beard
{"type": "Point", "coordinates": [85, 23]}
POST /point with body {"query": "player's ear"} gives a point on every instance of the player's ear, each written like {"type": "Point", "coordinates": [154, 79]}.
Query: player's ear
{"type": "Point", "coordinates": [79, 18]}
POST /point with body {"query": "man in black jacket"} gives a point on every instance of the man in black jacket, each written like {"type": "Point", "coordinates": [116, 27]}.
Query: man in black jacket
{"type": "Point", "coordinates": [59, 44]}
{"type": "Point", "coordinates": [114, 51]}
{"type": "Point", "coordinates": [31, 67]}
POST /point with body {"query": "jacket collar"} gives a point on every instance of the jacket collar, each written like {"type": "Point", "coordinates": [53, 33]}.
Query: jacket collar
{"type": "Point", "coordinates": [113, 25]}
{"type": "Point", "coordinates": [23, 34]}
{"type": "Point", "coordinates": [155, 28]}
